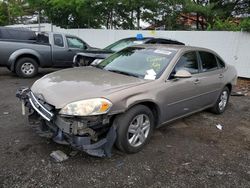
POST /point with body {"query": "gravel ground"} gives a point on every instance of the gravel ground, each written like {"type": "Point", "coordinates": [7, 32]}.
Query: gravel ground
{"type": "Point", "coordinates": [191, 152]}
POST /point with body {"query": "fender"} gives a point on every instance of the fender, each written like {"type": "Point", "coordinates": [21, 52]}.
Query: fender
{"type": "Point", "coordinates": [14, 56]}
{"type": "Point", "coordinates": [147, 101]}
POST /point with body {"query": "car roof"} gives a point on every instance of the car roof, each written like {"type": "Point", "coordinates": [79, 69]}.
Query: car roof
{"type": "Point", "coordinates": [149, 38]}
{"type": "Point", "coordinates": [173, 47]}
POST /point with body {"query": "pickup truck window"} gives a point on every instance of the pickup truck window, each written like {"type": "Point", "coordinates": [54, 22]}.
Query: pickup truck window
{"type": "Point", "coordinates": [75, 43]}
{"type": "Point", "coordinates": [58, 40]}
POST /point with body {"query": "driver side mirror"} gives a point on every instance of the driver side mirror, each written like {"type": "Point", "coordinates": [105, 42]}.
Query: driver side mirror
{"type": "Point", "coordinates": [182, 74]}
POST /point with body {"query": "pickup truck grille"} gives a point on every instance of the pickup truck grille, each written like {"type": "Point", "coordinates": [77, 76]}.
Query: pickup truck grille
{"type": "Point", "coordinates": [40, 108]}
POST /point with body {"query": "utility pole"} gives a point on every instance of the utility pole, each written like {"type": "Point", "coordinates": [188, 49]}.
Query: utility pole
{"type": "Point", "coordinates": [39, 21]}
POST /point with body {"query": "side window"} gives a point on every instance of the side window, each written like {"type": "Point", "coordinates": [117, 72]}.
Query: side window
{"type": "Point", "coordinates": [220, 62]}
{"type": "Point", "coordinates": [188, 62]}
{"type": "Point", "coordinates": [75, 43]}
{"type": "Point", "coordinates": [58, 40]}
{"type": "Point", "coordinates": [208, 61]}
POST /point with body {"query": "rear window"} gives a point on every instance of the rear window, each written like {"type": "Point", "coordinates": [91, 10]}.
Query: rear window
{"type": "Point", "coordinates": [164, 41]}
{"type": "Point", "coordinates": [58, 40]}
{"type": "Point", "coordinates": [124, 43]}
{"type": "Point", "coordinates": [208, 61]}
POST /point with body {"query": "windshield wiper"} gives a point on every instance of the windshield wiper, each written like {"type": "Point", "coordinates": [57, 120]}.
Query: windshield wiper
{"type": "Point", "coordinates": [122, 72]}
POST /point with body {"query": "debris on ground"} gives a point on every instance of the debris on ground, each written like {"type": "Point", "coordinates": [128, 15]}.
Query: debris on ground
{"type": "Point", "coordinates": [73, 153]}
{"type": "Point", "coordinates": [5, 113]}
{"type": "Point", "coordinates": [185, 164]}
{"type": "Point", "coordinates": [59, 156]}
{"type": "Point", "coordinates": [219, 126]}
{"type": "Point", "coordinates": [16, 141]}
{"type": "Point", "coordinates": [239, 93]}
{"type": "Point", "coordinates": [120, 163]}
{"type": "Point", "coordinates": [169, 146]}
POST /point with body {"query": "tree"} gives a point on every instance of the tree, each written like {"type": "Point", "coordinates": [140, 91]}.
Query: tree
{"type": "Point", "coordinates": [128, 14]}
{"type": "Point", "coordinates": [211, 11]}
{"type": "Point", "coordinates": [3, 13]}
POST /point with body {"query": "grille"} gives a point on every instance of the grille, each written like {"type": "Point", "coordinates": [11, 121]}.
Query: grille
{"type": "Point", "coordinates": [40, 108]}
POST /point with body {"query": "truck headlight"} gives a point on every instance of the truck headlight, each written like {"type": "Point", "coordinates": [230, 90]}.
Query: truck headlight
{"type": "Point", "coordinates": [96, 62]}
{"type": "Point", "coordinates": [88, 107]}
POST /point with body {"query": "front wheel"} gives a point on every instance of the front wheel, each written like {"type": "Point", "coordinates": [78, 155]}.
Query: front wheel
{"type": "Point", "coordinates": [222, 101]}
{"type": "Point", "coordinates": [26, 67]}
{"type": "Point", "coordinates": [134, 129]}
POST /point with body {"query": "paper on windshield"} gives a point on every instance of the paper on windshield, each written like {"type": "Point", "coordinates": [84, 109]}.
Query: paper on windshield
{"type": "Point", "coordinates": [165, 52]}
{"type": "Point", "coordinates": [150, 74]}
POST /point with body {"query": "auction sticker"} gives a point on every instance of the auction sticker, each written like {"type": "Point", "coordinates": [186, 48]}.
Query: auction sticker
{"type": "Point", "coordinates": [165, 52]}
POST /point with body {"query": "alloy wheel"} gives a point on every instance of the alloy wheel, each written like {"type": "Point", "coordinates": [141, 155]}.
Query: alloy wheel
{"type": "Point", "coordinates": [223, 100]}
{"type": "Point", "coordinates": [138, 130]}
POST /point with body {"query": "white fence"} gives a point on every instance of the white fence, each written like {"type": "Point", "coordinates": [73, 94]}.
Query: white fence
{"type": "Point", "coordinates": [234, 47]}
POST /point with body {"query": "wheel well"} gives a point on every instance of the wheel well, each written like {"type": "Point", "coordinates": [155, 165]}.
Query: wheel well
{"type": "Point", "coordinates": [229, 86]}
{"type": "Point", "coordinates": [153, 107]}
{"type": "Point", "coordinates": [26, 55]}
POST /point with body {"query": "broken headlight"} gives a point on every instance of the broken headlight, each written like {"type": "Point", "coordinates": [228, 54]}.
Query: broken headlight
{"type": "Point", "coordinates": [87, 107]}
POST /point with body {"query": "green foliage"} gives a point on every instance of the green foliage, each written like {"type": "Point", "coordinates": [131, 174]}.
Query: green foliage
{"type": "Point", "coordinates": [230, 25]}
{"type": "Point", "coordinates": [225, 25]}
{"type": "Point", "coordinates": [3, 14]}
{"type": "Point", "coordinates": [245, 24]}
{"type": "Point", "coordinates": [127, 14]}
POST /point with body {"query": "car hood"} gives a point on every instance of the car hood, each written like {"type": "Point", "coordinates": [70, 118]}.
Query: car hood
{"type": "Point", "coordinates": [96, 53]}
{"type": "Point", "coordinates": [74, 84]}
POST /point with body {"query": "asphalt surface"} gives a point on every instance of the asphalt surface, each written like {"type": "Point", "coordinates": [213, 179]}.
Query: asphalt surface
{"type": "Point", "coordinates": [191, 152]}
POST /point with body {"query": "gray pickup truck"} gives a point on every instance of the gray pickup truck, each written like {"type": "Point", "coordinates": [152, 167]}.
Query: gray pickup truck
{"type": "Point", "coordinates": [24, 56]}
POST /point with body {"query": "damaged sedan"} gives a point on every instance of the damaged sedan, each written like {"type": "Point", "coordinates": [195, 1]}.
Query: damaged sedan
{"type": "Point", "coordinates": [124, 98]}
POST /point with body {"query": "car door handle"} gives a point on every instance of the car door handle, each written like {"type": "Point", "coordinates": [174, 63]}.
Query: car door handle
{"type": "Point", "coordinates": [70, 50]}
{"type": "Point", "coordinates": [221, 76]}
{"type": "Point", "coordinates": [197, 81]}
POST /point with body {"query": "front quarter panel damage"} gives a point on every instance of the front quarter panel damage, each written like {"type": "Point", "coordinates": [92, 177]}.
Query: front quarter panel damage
{"type": "Point", "coordinates": [94, 135]}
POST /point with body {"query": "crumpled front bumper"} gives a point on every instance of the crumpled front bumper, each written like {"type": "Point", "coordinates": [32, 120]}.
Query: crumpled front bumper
{"type": "Point", "coordinates": [46, 122]}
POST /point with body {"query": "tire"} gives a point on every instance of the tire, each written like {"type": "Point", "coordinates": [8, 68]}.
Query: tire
{"type": "Point", "coordinates": [130, 137]}
{"type": "Point", "coordinates": [221, 103]}
{"type": "Point", "coordinates": [26, 67]}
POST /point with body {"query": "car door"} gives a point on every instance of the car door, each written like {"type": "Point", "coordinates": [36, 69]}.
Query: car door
{"type": "Point", "coordinates": [58, 51]}
{"type": "Point", "coordinates": [65, 49]}
{"type": "Point", "coordinates": [211, 78]}
{"type": "Point", "coordinates": [75, 45]}
{"type": "Point", "coordinates": [182, 94]}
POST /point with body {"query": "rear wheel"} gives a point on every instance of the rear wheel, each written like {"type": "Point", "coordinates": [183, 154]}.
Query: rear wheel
{"type": "Point", "coordinates": [26, 67]}
{"type": "Point", "coordinates": [222, 101]}
{"type": "Point", "coordinates": [134, 129]}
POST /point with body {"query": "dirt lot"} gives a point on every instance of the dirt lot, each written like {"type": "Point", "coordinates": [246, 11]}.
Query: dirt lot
{"type": "Point", "coordinates": [189, 153]}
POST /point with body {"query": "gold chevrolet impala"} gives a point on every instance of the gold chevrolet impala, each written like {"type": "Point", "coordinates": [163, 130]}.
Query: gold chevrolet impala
{"type": "Point", "coordinates": [121, 100]}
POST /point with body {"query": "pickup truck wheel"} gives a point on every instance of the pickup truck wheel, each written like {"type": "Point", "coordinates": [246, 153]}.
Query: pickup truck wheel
{"type": "Point", "coordinates": [134, 129]}
{"type": "Point", "coordinates": [26, 67]}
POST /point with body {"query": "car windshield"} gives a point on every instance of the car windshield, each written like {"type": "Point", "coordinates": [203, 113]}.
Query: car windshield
{"type": "Point", "coordinates": [124, 43]}
{"type": "Point", "coordinates": [146, 63]}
